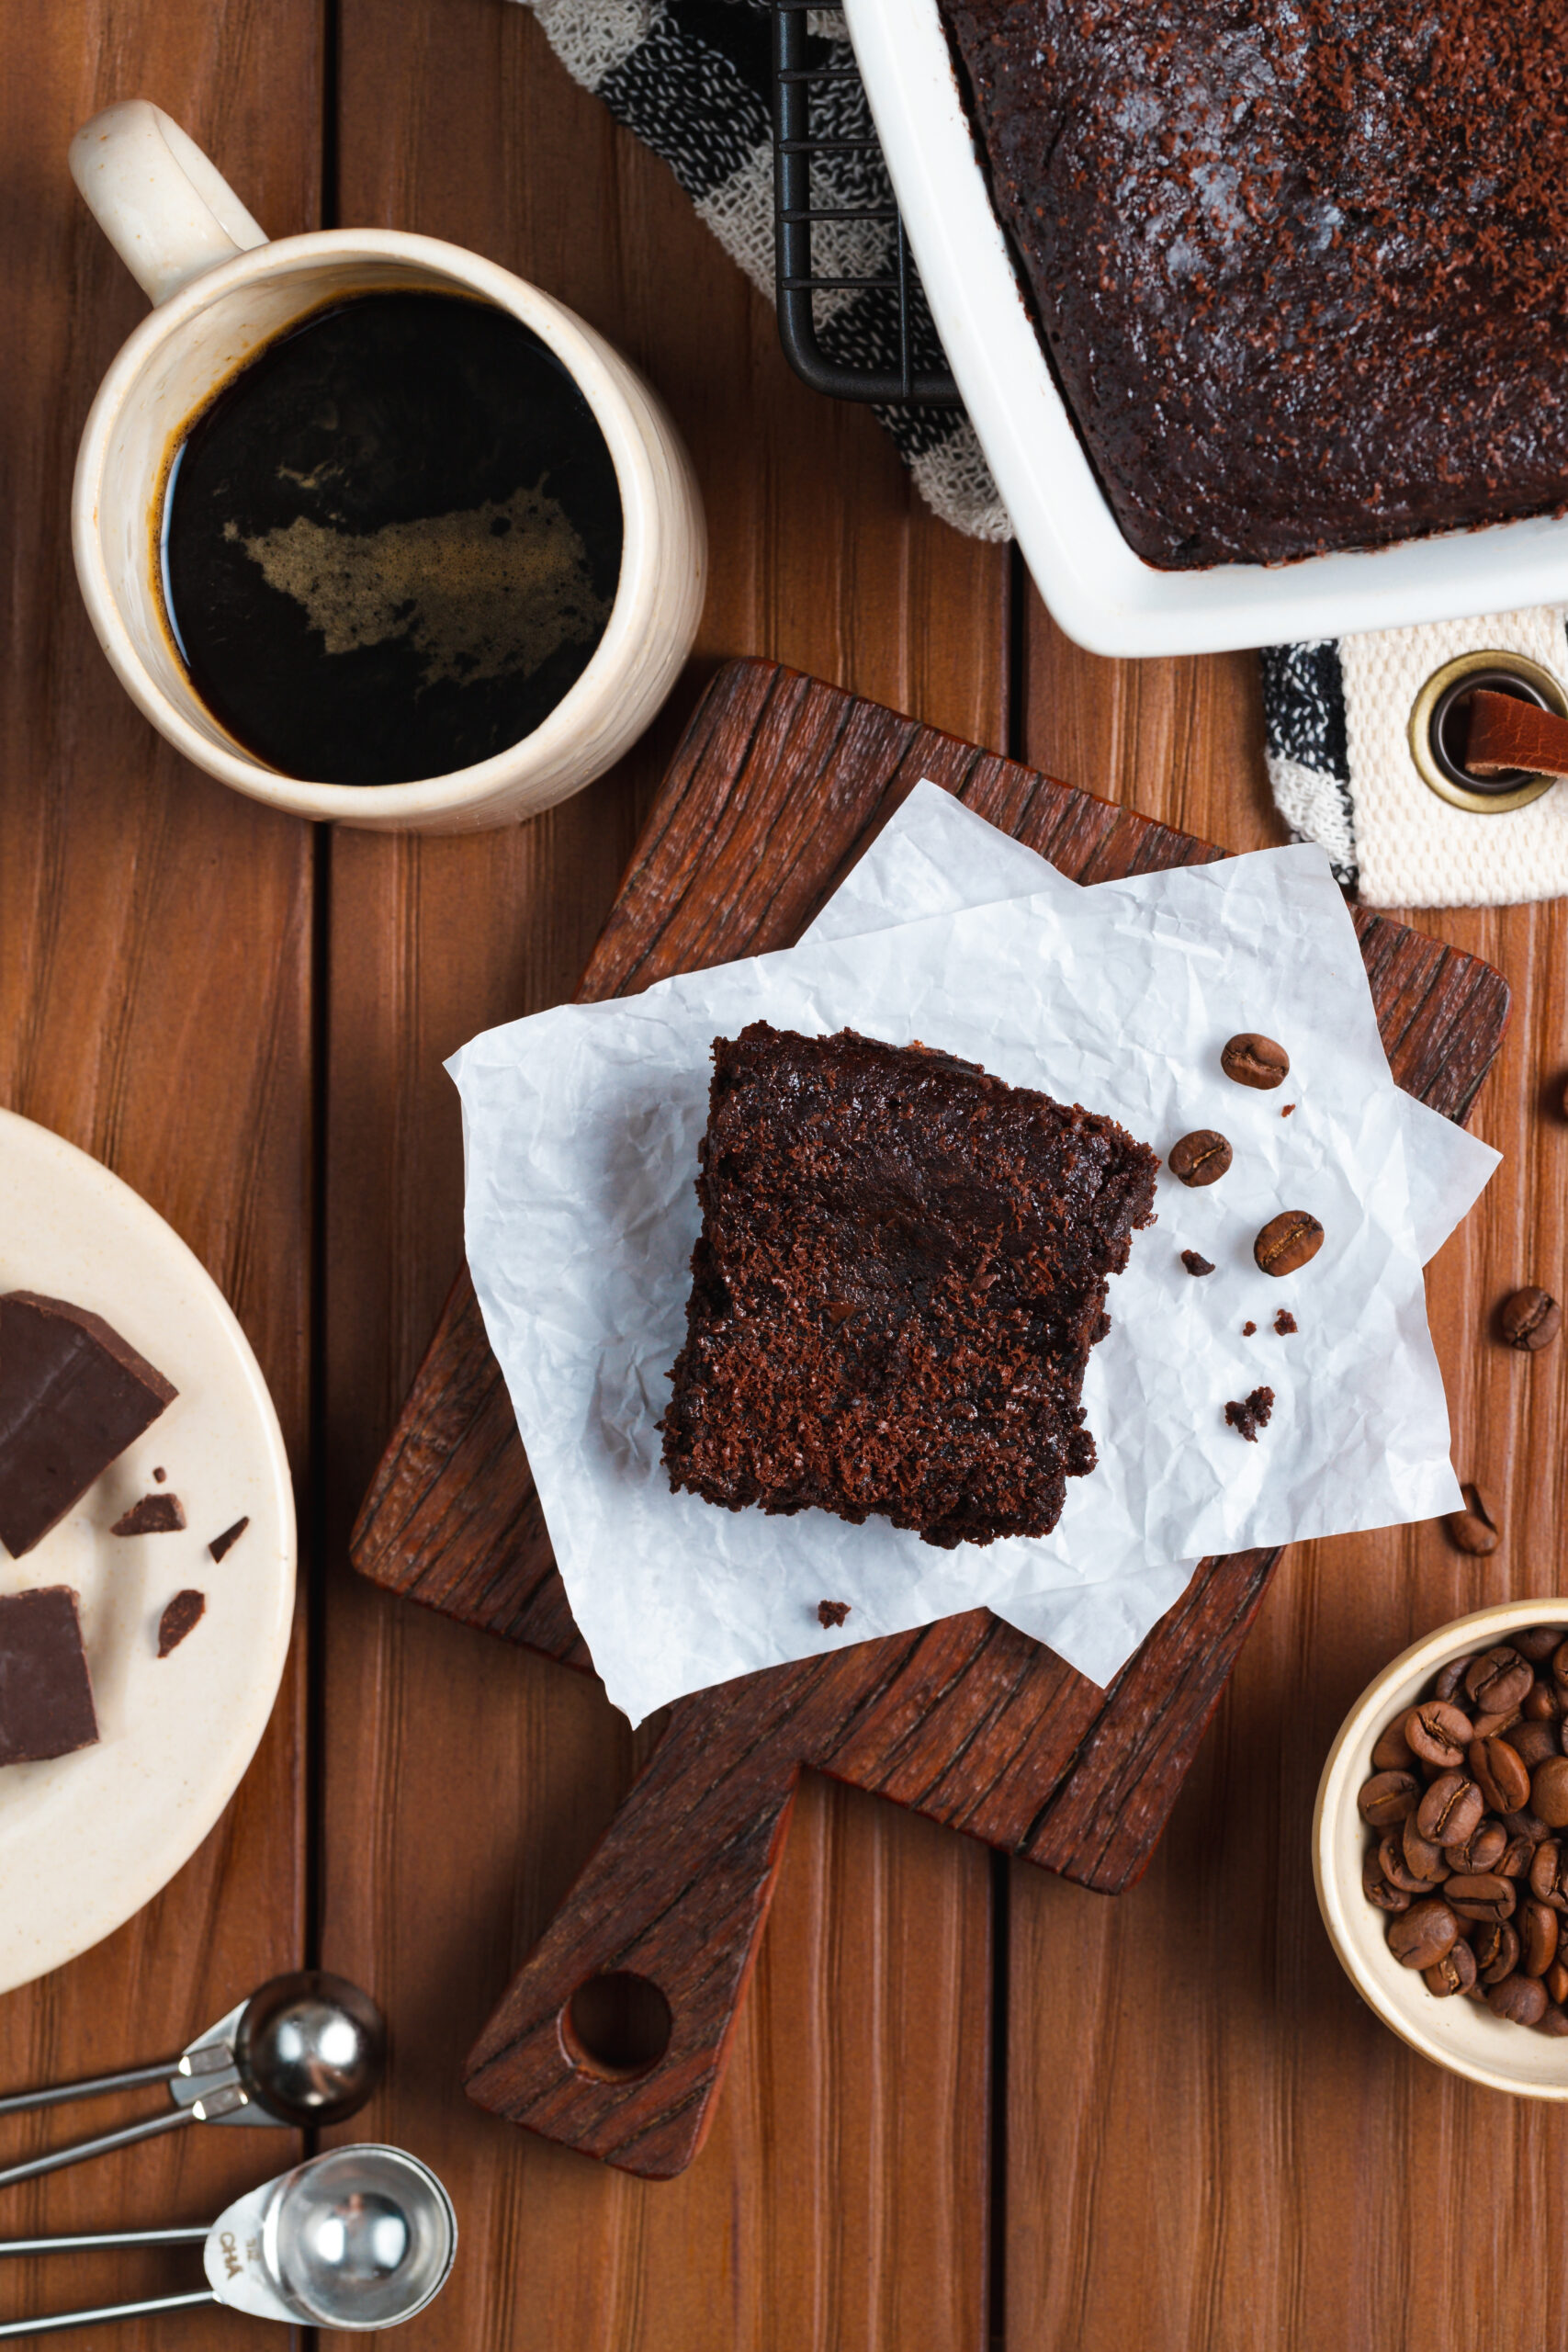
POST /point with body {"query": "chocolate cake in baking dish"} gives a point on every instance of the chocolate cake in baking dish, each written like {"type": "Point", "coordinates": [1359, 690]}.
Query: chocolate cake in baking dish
{"type": "Point", "coordinates": [1300, 265]}
{"type": "Point", "coordinates": [901, 1270]}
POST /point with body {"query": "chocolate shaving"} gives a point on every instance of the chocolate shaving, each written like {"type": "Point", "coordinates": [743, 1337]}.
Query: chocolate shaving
{"type": "Point", "coordinates": [182, 1616]}
{"type": "Point", "coordinates": [153, 1515]}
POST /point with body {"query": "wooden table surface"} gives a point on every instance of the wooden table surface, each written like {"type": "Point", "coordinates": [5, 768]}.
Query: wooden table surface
{"type": "Point", "coordinates": [969, 2104]}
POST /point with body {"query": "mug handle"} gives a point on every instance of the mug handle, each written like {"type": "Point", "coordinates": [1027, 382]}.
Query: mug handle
{"type": "Point", "coordinates": [167, 210]}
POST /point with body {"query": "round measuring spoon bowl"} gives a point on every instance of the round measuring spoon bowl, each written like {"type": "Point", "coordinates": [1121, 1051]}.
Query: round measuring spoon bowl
{"type": "Point", "coordinates": [311, 2047]}
{"type": "Point", "coordinates": [359, 2238]}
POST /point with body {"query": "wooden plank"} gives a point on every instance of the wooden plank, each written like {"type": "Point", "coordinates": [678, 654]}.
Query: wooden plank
{"type": "Point", "coordinates": [842, 2198]}
{"type": "Point", "coordinates": [1211, 2143]}
{"type": "Point", "coordinates": [155, 971]}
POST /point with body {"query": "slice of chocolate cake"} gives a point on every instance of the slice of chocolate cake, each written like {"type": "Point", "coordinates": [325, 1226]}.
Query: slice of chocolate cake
{"type": "Point", "coordinates": [901, 1271]}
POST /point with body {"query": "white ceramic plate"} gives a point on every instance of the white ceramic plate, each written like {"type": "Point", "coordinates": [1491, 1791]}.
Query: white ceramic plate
{"type": "Point", "coordinates": [86, 1839]}
{"type": "Point", "coordinates": [1460, 2034]}
{"type": "Point", "coordinates": [1097, 589]}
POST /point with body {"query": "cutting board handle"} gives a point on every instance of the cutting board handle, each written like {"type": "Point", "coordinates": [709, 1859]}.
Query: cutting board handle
{"type": "Point", "coordinates": [673, 1899]}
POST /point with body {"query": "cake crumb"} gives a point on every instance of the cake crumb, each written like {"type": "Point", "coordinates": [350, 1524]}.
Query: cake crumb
{"type": "Point", "coordinates": [1248, 1329]}
{"type": "Point", "coordinates": [1288, 1108]}
{"type": "Point", "coordinates": [832, 1612]}
{"type": "Point", "coordinates": [1196, 1264]}
{"type": "Point", "coordinates": [1285, 1323]}
{"type": "Point", "coordinates": [1253, 1416]}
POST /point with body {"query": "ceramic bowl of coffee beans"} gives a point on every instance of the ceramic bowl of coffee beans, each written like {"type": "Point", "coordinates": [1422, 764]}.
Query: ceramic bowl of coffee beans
{"type": "Point", "coordinates": [1440, 1847]}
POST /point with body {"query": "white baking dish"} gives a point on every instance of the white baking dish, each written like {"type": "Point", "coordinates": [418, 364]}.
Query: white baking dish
{"type": "Point", "coordinates": [1097, 589]}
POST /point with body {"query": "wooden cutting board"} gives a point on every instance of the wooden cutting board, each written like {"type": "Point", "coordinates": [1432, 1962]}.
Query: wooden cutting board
{"type": "Point", "coordinates": [777, 787]}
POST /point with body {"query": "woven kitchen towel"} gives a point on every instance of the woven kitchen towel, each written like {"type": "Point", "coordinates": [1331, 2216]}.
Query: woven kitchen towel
{"type": "Point", "coordinates": [693, 80]}
{"type": "Point", "coordinates": [1336, 716]}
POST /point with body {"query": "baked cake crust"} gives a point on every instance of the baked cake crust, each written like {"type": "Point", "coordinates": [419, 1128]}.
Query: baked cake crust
{"type": "Point", "coordinates": [1300, 265]}
{"type": "Point", "coordinates": [901, 1270]}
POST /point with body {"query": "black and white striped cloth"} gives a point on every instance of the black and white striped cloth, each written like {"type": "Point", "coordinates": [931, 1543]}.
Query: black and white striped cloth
{"type": "Point", "coordinates": [692, 80]}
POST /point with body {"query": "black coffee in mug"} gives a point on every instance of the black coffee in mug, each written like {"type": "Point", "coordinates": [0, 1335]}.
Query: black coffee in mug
{"type": "Point", "coordinates": [391, 544]}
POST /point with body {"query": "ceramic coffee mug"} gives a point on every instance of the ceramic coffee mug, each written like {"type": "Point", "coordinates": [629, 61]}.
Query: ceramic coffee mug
{"type": "Point", "coordinates": [220, 290]}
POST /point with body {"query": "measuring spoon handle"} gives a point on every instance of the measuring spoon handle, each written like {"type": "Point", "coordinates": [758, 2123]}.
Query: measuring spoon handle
{"type": "Point", "coordinates": [52, 2319]}
{"type": "Point", "coordinates": [80, 2150]}
{"type": "Point", "coordinates": [93, 2087]}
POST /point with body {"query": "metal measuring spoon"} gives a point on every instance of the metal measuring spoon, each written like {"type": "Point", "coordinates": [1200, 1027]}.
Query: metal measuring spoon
{"type": "Point", "coordinates": [305, 2048]}
{"type": "Point", "coordinates": [361, 2238]}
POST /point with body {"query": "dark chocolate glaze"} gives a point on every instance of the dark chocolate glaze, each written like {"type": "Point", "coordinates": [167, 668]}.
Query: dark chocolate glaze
{"type": "Point", "coordinates": [901, 1271]}
{"type": "Point", "coordinates": [1300, 265]}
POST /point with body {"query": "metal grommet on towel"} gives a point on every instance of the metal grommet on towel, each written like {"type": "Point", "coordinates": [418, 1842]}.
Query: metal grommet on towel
{"type": "Point", "coordinates": [1434, 722]}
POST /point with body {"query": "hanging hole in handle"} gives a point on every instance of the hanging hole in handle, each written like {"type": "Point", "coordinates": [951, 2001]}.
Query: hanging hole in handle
{"type": "Point", "coordinates": [1439, 726]}
{"type": "Point", "coordinates": [616, 2026]}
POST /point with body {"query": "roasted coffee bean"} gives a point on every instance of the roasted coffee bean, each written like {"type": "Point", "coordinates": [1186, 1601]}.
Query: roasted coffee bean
{"type": "Point", "coordinates": [1532, 1319]}
{"type": "Point", "coordinates": [1422, 1854]}
{"type": "Point", "coordinates": [1288, 1242]}
{"type": "Point", "coordinates": [1451, 1809]}
{"type": "Point", "coordinates": [1551, 2021]}
{"type": "Point", "coordinates": [1497, 1719]}
{"type": "Point", "coordinates": [1391, 1751]}
{"type": "Point", "coordinates": [1497, 1680]}
{"type": "Point", "coordinates": [1200, 1158]}
{"type": "Point", "coordinates": [1485, 1850]}
{"type": "Point", "coordinates": [1474, 1529]}
{"type": "Point", "coordinates": [1514, 1860]}
{"type": "Point", "coordinates": [1526, 1825]}
{"type": "Point", "coordinates": [1557, 1982]}
{"type": "Point", "coordinates": [1533, 1742]}
{"type": "Point", "coordinates": [1393, 1866]}
{"type": "Point", "coordinates": [1253, 1060]}
{"type": "Point", "coordinates": [1560, 1666]}
{"type": "Point", "coordinates": [1538, 1938]}
{"type": "Point", "coordinates": [1522, 2000]}
{"type": "Point", "coordinates": [1437, 1733]}
{"type": "Point", "coordinates": [1420, 1937]}
{"type": "Point", "coordinates": [1496, 1948]}
{"type": "Point", "coordinates": [1549, 1874]}
{"type": "Point", "coordinates": [1455, 1973]}
{"type": "Point", "coordinates": [1548, 1792]}
{"type": "Point", "coordinates": [1450, 1676]}
{"type": "Point", "coordinates": [1541, 1703]}
{"type": "Point", "coordinates": [1388, 1796]}
{"type": "Point", "coordinates": [1499, 1773]}
{"type": "Point", "coordinates": [1378, 1889]}
{"type": "Point", "coordinates": [1537, 1642]}
{"type": "Point", "coordinates": [1484, 1896]}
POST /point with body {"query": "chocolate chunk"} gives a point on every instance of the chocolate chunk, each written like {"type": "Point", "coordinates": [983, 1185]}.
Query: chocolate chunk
{"type": "Point", "coordinates": [46, 1692]}
{"type": "Point", "coordinates": [229, 1537]}
{"type": "Point", "coordinates": [153, 1515]}
{"type": "Point", "coordinates": [73, 1395]}
{"type": "Point", "coordinates": [1253, 1416]}
{"type": "Point", "coordinates": [1285, 1323]}
{"type": "Point", "coordinates": [159, 1477]}
{"type": "Point", "coordinates": [182, 1616]}
{"type": "Point", "coordinates": [1196, 1264]}
{"type": "Point", "coordinates": [832, 1612]}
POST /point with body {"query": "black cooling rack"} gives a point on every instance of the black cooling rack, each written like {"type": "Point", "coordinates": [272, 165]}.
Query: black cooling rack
{"type": "Point", "coordinates": [853, 316]}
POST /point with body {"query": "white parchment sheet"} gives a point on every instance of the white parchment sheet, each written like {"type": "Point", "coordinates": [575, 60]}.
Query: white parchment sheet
{"type": "Point", "coordinates": [582, 1128]}
{"type": "Point", "coordinates": [937, 855]}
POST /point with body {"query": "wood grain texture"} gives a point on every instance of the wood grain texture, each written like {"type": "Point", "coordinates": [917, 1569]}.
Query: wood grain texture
{"type": "Point", "coordinates": [1210, 2142]}
{"type": "Point", "coordinates": [968, 1723]}
{"type": "Point", "coordinates": [155, 969]}
{"type": "Point", "coordinates": [840, 2198]}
